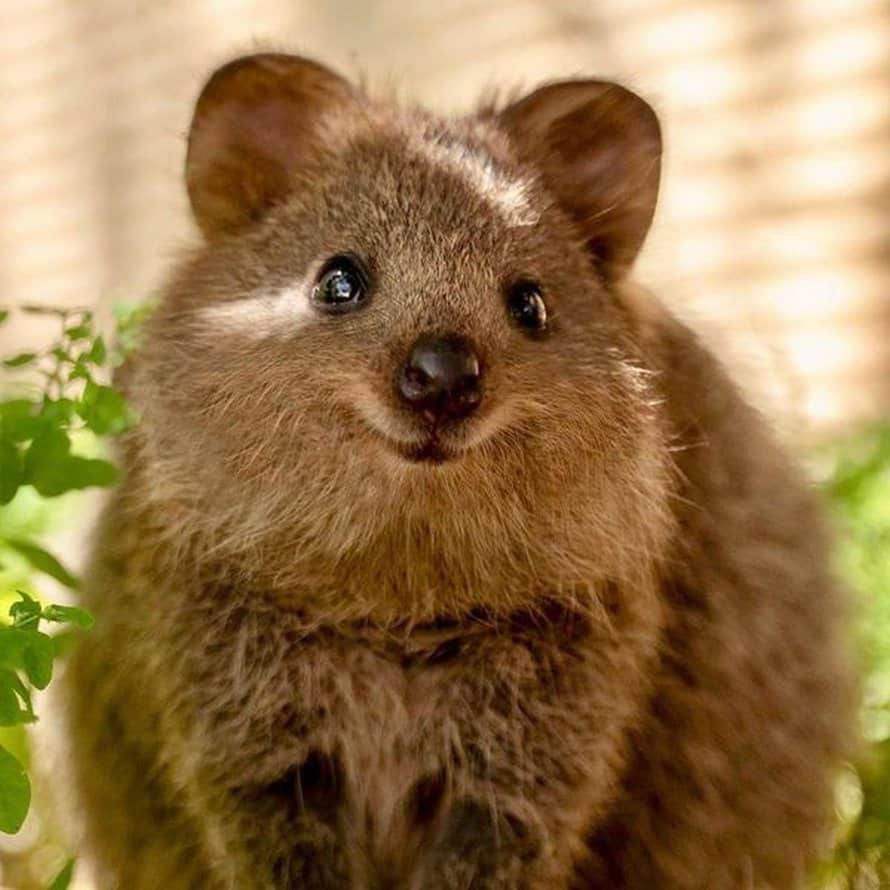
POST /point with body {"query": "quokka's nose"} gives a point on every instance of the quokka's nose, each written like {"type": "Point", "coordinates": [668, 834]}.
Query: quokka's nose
{"type": "Point", "coordinates": [441, 378]}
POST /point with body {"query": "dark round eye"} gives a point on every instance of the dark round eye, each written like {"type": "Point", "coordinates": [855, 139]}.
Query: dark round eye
{"type": "Point", "coordinates": [342, 285]}
{"type": "Point", "coordinates": [527, 307]}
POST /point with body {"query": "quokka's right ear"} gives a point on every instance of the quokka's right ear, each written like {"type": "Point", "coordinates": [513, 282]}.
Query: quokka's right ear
{"type": "Point", "coordinates": [597, 147]}
{"type": "Point", "coordinates": [254, 131]}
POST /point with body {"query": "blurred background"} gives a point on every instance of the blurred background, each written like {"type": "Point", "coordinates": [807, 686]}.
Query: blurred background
{"type": "Point", "coordinates": [772, 236]}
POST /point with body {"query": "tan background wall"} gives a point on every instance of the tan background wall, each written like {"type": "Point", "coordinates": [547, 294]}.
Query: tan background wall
{"type": "Point", "coordinates": [774, 231]}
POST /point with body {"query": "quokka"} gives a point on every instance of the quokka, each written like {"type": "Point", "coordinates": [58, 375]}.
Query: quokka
{"type": "Point", "coordinates": [446, 557]}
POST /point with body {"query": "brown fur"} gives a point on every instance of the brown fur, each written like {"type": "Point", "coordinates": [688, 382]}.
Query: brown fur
{"type": "Point", "coordinates": [597, 648]}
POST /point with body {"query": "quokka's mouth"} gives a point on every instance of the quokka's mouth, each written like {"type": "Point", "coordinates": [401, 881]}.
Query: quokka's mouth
{"type": "Point", "coordinates": [430, 451]}
{"type": "Point", "coordinates": [431, 446]}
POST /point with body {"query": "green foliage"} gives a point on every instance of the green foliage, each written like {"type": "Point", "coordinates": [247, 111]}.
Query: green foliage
{"type": "Point", "coordinates": [61, 400]}
{"type": "Point", "coordinates": [15, 793]}
{"type": "Point", "coordinates": [26, 661]}
{"type": "Point", "coordinates": [43, 561]}
{"type": "Point", "coordinates": [856, 475]}
{"type": "Point", "coordinates": [52, 414]}
{"type": "Point", "coordinates": [63, 878]}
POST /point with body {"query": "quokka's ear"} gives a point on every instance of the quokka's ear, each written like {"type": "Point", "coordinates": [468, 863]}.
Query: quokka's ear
{"type": "Point", "coordinates": [255, 126]}
{"type": "Point", "coordinates": [598, 148]}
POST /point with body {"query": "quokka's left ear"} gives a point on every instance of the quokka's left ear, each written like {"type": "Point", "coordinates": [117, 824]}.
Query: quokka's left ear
{"type": "Point", "coordinates": [255, 130]}
{"type": "Point", "coordinates": [597, 147]}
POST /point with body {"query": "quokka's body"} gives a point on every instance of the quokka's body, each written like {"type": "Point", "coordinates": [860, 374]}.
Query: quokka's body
{"type": "Point", "coordinates": [445, 557]}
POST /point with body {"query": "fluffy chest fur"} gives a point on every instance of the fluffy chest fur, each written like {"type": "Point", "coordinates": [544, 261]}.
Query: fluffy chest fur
{"type": "Point", "coordinates": [380, 733]}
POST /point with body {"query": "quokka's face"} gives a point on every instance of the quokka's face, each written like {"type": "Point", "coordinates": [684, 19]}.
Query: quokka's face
{"type": "Point", "coordinates": [421, 305]}
{"type": "Point", "coordinates": [390, 309]}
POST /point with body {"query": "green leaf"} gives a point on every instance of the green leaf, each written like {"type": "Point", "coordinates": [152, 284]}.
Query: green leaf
{"type": "Point", "coordinates": [63, 878]}
{"type": "Point", "coordinates": [34, 309]}
{"type": "Point", "coordinates": [44, 562]}
{"type": "Point", "coordinates": [13, 642]}
{"type": "Point", "coordinates": [46, 462]}
{"type": "Point", "coordinates": [4, 314]}
{"type": "Point", "coordinates": [27, 715]}
{"type": "Point", "coordinates": [39, 659]}
{"type": "Point", "coordinates": [11, 690]}
{"type": "Point", "coordinates": [98, 353]}
{"type": "Point", "coordinates": [15, 793]}
{"type": "Point", "coordinates": [11, 472]}
{"type": "Point", "coordinates": [9, 701]}
{"type": "Point", "coordinates": [53, 470]}
{"type": "Point", "coordinates": [104, 409]}
{"type": "Point", "coordinates": [20, 360]}
{"type": "Point", "coordinates": [57, 411]}
{"type": "Point", "coordinates": [68, 615]}
{"type": "Point", "coordinates": [19, 420]}
{"type": "Point", "coordinates": [86, 473]}
{"type": "Point", "coordinates": [80, 371]}
{"type": "Point", "coordinates": [25, 612]}
{"type": "Point", "coordinates": [79, 332]}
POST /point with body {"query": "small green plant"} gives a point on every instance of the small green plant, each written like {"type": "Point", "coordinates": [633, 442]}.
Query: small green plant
{"type": "Point", "coordinates": [26, 660]}
{"type": "Point", "coordinates": [856, 480]}
{"type": "Point", "coordinates": [55, 410]}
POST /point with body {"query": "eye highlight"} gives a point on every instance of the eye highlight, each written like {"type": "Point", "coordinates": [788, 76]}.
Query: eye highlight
{"type": "Point", "coordinates": [526, 306]}
{"type": "Point", "coordinates": [342, 285]}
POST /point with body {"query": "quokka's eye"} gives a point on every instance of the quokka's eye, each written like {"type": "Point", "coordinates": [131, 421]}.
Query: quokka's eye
{"type": "Point", "coordinates": [342, 285]}
{"type": "Point", "coordinates": [527, 307]}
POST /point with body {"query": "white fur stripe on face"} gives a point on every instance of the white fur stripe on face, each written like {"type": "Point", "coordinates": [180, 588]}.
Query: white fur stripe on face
{"type": "Point", "coordinates": [263, 314]}
{"type": "Point", "coordinates": [507, 195]}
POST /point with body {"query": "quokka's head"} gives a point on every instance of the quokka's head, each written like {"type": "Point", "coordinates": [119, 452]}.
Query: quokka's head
{"type": "Point", "coordinates": [404, 326]}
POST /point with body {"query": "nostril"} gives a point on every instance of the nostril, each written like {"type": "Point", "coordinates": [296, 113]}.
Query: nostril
{"type": "Point", "coordinates": [469, 385]}
{"type": "Point", "coordinates": [467, 394]}
{"type": "Point", "coordinates": [414, 383]}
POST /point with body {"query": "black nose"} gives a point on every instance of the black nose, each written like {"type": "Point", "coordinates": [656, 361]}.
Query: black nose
{"type": "Point", "coordinates": [441, 378]}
